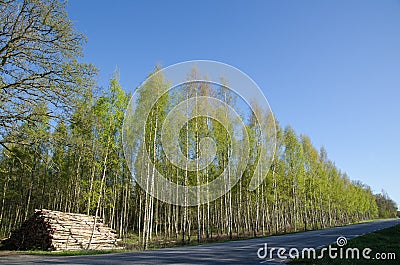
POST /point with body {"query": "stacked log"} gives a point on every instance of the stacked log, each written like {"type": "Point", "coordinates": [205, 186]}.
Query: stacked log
{"type": "Point", "coordinates": [54, 230]}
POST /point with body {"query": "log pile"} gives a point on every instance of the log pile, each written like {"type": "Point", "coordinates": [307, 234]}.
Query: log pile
{"type": "Point", "coordinates": [54, 230]}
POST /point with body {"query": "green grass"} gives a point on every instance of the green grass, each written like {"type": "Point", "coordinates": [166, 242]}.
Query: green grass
{"type": "Point", "coordinates": [382, 241]}
{"type": "Point", "coordinates": [71, 252]}
{"type": "Point", "coordinates": [132, 242]}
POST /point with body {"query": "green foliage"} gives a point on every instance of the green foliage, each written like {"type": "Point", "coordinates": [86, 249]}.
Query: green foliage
{"type": "Point", "coordinates": [39, 48]}
{"type": "Point", "coordinates": [387, 208]}
{"type": "Point", "coordinates": [78, 165]}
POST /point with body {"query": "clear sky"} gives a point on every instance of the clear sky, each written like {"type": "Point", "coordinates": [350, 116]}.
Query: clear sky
{"type": "Point", "coordinates": [330, 69]}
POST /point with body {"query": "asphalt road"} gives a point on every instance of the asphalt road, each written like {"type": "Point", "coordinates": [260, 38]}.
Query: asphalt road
{"type": "Point", "coordinates": [234, 252]}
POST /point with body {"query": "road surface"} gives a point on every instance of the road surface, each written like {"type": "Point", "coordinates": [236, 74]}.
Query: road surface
{"type": "Point", "coordinates": [234, 252]}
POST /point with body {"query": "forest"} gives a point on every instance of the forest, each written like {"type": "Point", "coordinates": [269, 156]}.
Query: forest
{"type": "Point", "coordinates": [62, 148]}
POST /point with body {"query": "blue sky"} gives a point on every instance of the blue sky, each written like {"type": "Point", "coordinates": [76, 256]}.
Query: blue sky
{"type": "Point", "coordinates": [330, 69]}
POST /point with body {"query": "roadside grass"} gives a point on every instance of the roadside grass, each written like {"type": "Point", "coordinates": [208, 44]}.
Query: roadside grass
{"type": "Point", "coordinates": [71, 252]}
{"type": "Point", "coordinates": [132, 241]}
{"type": "Point", "coordinates": [383, 241]}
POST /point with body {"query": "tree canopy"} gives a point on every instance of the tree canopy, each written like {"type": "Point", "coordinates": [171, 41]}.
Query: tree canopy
{"type": "Point", "coordinates": [39, 51]}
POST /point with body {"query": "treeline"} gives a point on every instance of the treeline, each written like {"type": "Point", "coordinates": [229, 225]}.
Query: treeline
{"type": "Point", "coordinates": [387, 208]}
{"type": "Point", "coordinates": [61, 148]}
{"type": "Point", "coordinates": [79, 166]}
